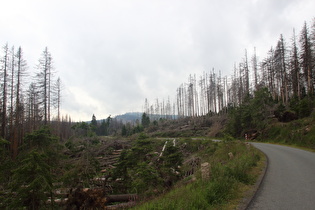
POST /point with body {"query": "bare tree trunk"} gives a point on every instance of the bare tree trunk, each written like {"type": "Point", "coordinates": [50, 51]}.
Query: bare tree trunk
{"type": "Point", "coordinates": [4, 91]}
{"type": "Point", "coordinates": [246, 69]}
{"type": "Point", "coordinates": [12, 93]}
{"type": "Point", "coordinates": [254, 61]}
{"type": "Point", "coordinates": [295, 68]}
{"type": "Point", "coordinates": [284, 68]}
{"type": "Point", "coordinates": [306, 57]}
{"type": "Point", "coordinates": [44, 77]}
{"type": "Point", "coordinates": [18, 106]}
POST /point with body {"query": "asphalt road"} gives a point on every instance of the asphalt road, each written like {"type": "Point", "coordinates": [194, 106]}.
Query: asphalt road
{"type": "Point", "coordinates": [289, 182]}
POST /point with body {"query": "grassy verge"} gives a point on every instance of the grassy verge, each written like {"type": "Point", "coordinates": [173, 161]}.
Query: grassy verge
{"type": "Point", "coordinates": [298, 133]}
{"type": "Point", "coordinates": [230, 179]}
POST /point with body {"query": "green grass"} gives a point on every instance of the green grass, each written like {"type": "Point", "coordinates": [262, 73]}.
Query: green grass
{"type": "Point", "coordinates": [300, 133]}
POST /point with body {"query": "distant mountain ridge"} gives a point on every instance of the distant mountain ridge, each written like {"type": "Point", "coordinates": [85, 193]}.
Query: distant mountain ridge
{"type": "Point", "coordinates": [129, 117]}
{"type": "Point", "coordinates": [132, 117]}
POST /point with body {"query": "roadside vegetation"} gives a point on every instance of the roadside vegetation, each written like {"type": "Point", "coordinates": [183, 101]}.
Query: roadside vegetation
{"type": "Point", "coordinates": [85, 172]}
{"type": "Point", "coordinates": [264, 119]}
{"type": "Point", "coordinates": [220, 186]}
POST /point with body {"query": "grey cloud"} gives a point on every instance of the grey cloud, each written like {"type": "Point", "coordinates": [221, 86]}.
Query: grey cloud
{"type": "Point", "coordinates": [116, 53]}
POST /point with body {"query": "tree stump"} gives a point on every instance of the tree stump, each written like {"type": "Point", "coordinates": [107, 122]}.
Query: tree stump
{"type": "Point", "coordinates": [205, 171]}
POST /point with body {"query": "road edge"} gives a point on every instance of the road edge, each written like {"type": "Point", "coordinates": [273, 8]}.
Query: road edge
{"type": "Point", "coordinates": [251, 194]}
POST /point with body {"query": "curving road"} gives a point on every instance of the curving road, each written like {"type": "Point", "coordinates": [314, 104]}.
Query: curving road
{"type": "Point", "coordinates": [289, 182]}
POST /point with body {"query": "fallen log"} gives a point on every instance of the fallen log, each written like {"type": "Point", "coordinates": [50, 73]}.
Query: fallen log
{"type": "Point", "coordinates": [121, 205]}
{"type": "Point", "coordinates": [84, 198]}
{"type": "Point", "coordinates": [121, 198]}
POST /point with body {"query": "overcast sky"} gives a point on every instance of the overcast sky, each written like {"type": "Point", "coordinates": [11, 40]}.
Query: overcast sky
{"type": "Point", "coordinates": [112, 54]}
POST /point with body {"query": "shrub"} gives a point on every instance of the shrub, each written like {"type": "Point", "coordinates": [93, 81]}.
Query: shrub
{"type": "Point", "coordinates": [302, 107]}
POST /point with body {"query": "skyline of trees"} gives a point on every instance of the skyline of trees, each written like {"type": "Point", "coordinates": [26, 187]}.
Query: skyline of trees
{"type": "Point", "coordinates": [30, 101]}
{"type": "Point", "coordinates": [287, 72]}
{"type": "Point", "coordinates": [23, 109]}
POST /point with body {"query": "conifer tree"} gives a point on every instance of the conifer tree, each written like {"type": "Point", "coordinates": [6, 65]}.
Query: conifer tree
{"type": "Point", "coordinates": [19, 115]}
{"type": "Point", "coordinates": [93, 123]}
{"type": "Point", "coordinates": [44, 77]}
{"type": "Point", "coordinates": [31, 181]}
{"type": "Point", "coordinates": [295, 68]}
{"type": "Point", "coordinates": [145, 120]}
{"type": "Point", "coordinates": [306, 58]}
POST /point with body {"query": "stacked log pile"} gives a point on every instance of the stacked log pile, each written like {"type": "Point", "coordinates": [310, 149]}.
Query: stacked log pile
{"type": "Point", "coordinates": [84, 198]}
